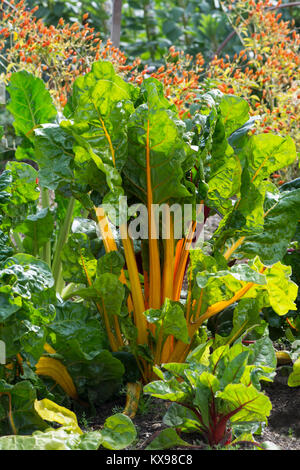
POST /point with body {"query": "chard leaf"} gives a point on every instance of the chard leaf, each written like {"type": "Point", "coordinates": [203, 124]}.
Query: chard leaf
{"type": "Point", "coordinates": [294, 377]}
{"type": "Point", "coordinates": [118, 432]}
{"type": "Point", "coordinates": [156, 153]}
{"type": "Point", "coordinates": [31, 103]}
{"type": "Point", "coordinates": [280, 223]}
{"type": "Point", "coordinates": [234, 369]}
{"type": "Point", "coordinates": [52, 439]}
{"type": "Point", "coordinates": [50, 411]}
{"type": "Point", "coordinates": [78, 261]}
{"type": "Point", "coordinates": [111, 262]}
{"type": "Point", "coordinates": [262, 353]}
{"type": "Point", "coordinates": [38, 230]}
{"type": "Point", "coordinates": [167, 439]}
{"type": "Point", "coordinates": [171, 319]}
{"type": "Point", "coordinates": [245, 403]}
{"type": "Point", "coordinates": [9, 303]}
{"type": "Point", "coordinates": [174, 322]}
{"type": "Point", "coordinates": [23, 418]}
{"type": "Point", "coordinates": [234, 111]}
{"type": "Point", "coordinates": [267, 153]}
{"type": "Point", "coordinates": [23, 187]}
{"type": "Point", "coordinates": [54, 155]}
{"type": "Point", "coordinates": [168, 390]}
{"type": "Point", "coordinates": [33, 276]}
{"type": "Point", "coordinates": [111, 293]}
{"type": "Point", "coordinates": [282, 291]}
{"type": "Point", "coordinates": [178, 416]}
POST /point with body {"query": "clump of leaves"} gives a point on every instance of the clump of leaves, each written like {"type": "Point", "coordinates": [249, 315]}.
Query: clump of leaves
{"type": "Point", "coordinates": [266, 70]}
{"type": "Point", "coordinates": [216, 394]}
{"type": "Point", "coordinates": [117, 433]}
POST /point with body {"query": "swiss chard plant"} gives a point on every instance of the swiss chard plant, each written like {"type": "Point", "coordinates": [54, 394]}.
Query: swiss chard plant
{"type": "Point", "coordinates": [215, 394]}
{"type": "Point", "coordinates": [117, 432]}
{"type": "Point", "coordinates": [151, 285]}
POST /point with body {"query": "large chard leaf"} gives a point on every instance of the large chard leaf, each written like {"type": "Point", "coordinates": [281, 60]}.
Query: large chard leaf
{"type": "Point", "coordinates": [267, 153]}
{"type": "Point", "coordinates": [54, 155]}
{"type": "Point", "coordinates": [78, 337]}
{"type": "Point", "coordinates": [282, 212]}
{"type": "Point", "coordinates": [261, 155]}
{"type": "Point", "coordinates": [37, 229]}
{"type": "Point", "coordinates": [234, 111]}
{"type": "Point", "coordinates": [31, 103]}
{"type": "Point", "coordinates": [245, 403]}
{"type": "Point", "coordinates": [23, 418]}
{"type": "Point", "coordinates": [156, 152]}
{"type": "Point", "coordinates": [99, 108]}
{"type": "Point", "coordinates": [78, 262]}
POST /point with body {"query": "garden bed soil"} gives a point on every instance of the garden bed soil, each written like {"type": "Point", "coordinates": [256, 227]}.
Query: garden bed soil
{"type": "Point", "coordinates": [283, 428]}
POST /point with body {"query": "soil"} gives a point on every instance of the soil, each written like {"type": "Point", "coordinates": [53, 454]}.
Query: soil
{"type": "Point", "coordinates": [283, 428]}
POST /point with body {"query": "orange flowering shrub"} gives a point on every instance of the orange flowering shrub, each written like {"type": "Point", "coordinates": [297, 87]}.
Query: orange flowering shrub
{"type": "Point", "coordinates": [266, 72]}
{"type": "Point", "coordinates": [180, 76]}
{"type": "Point", "coordinates": [55, 53]}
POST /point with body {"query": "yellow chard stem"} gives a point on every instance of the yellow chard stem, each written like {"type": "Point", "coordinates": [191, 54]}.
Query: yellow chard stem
{"type": "Point", "coordinates": [233, 247]}
{"type": "Point", "coordinates": [168, 269]}
{"type": "Point", "coordinates": [136, 288]}
{"type": "Point", "coordinates": [154, 258]}
{"type": "Point", "coordinates": [110, 245]}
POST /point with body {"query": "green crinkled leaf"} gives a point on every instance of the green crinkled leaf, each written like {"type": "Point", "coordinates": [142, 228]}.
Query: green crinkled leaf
{"type": "Point", "coordinates": [110, 292]}
{"type": "Point", "coordinates": [30, 104]}
{"type": "Point", "coordinates": [267, 153]}
{"type": "Point", "coordinates": [53, 439]}
{"type": "Point", "coordinates": [77, 259]}
{"type": "Point", "coordinates": [54, 155]}
{"type": "Point", "coordinates": [23, 187]}
{"type": "Point", "coordinates": [9, 304]}
{"type": "Point", "coordinates": [31, 276]}
{"type": "Point", "coordinates": [153, 132]}
{"type": "Point", "coordinates": [168, 390]}
{"type": "Point", "coordinates": [99, 108]}
{"type": "Point", "coordinates": [171, 319]}
{"type": "Point", "coordinates": [180, 416]}
{"type": "Point", "coordinates": [25, 420]}
{"type": "Point", "coordinates": [75, 327]}
{"type": "Point", "coordinates": [234, 111]}
{"type": "Point", "coordinates": [111, 262]}
{"type": "Point", "coordinates": [262, 353]}
{"type": "Point", "coordinates": [167, 439]}
{"type": "Point", "coordinates": [5, 182]}
{"type": "Point", "coordinates": [247, 402]}
{"type": "Point", "coordinates": [234, 369]}
{"type": "Point", "coordinates": [37, 228]}
{"type": "Point", "coordinates": [280, 224]}
{"type": "Point", "coordinates": [118, 432]}
{"type": "Point", "coordinates": [282, 291]}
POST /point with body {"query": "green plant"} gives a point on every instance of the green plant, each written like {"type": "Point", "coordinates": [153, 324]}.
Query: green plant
{"type": "Point", "coordinates": [117, 433]}
{"type": "Point", "coordinates": [117, 139]}
{"type": "Point", "coordinates": [216, 394]}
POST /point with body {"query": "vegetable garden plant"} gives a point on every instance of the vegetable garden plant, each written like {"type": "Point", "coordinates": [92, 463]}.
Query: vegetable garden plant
{"type": "Point", "coordinates": [86, 305]}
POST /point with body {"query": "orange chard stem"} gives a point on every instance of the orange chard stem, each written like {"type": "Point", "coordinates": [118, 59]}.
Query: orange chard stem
{"type": "Point", "coordinates": [168, 269]}
{"type": "Point", "coordinates": [136, 288]}
{"type": "Point", "coordinates": [154, 258]}
{"type": "Point", "coordinates": [109, 246]}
